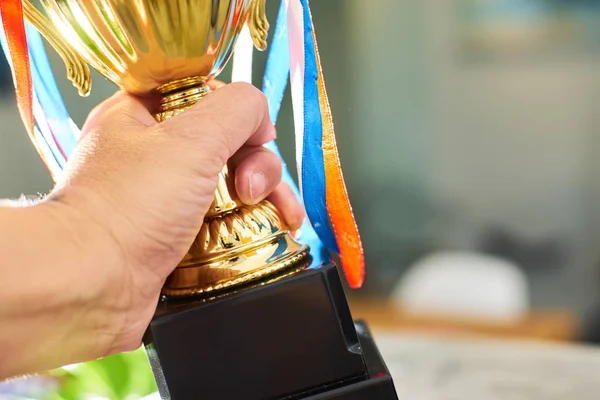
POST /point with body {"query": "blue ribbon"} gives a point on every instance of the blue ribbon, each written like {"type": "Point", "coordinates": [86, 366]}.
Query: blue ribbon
{"type": "Point", "coordinates": [313, 168]}
{"type": "Point", "coordinates": [274, 85]}
{"type": "Point", "coordinates": [277, 71]}
{"type": "Point", "coordinates": [46, 93]}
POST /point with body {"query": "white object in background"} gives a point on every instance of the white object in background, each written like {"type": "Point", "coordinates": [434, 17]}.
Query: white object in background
{"type": "Point", "coordinates": [466, 285]}
{"type": "Point", "coordinates": [241, 69]}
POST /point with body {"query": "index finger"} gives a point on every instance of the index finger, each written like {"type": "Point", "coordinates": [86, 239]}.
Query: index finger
{"type": "Point", "coordinates": [234, 115]}
{"type": "Point", "coordinates": [136, 108]}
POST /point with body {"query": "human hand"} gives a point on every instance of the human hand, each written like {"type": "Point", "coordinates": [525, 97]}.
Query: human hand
{"type": "Point", "coordinates": [139, 191]}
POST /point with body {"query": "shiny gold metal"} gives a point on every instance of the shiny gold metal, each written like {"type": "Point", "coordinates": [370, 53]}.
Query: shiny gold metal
{"type": "Point", "coordinates": [78, 71]}
{"type": "Point", "coordinates": [144, 44]}
{"type": "Point", "coordinates": [174, 47]}
{"type": "Point", "coordinates": [174, 303]}
{"type": "Point", "coordinates": [258, 24]}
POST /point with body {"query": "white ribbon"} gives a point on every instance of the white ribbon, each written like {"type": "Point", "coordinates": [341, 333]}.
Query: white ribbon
{"type": "Point", "coordinates": [243, 57]}
{"type": "Point", "coordinates": [295, 20]}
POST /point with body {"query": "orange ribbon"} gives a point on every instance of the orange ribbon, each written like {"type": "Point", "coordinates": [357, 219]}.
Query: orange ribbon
{"type": "Point", "coordinates": [14, 28]}
{"type": "Point", "coordinates": [16, 38]}
{"type": "Point", "coordinates": [338, 205]}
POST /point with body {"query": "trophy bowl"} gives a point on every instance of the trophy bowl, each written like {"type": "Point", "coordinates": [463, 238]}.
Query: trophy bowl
{"type": "Point", "coordinates": [173, 47]}
{"type": "Point", "coordinates": [143, 45]}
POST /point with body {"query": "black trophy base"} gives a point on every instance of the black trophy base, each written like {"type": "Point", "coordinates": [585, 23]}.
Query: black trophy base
{"type": "Point", "coordinates": [378, 383]}
{"type": "Point", "coordinates": [293, 338]}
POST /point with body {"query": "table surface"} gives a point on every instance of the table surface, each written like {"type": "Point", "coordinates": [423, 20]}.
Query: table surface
{"type": "Point", "coordinates": [434, 367]}
{"type": "Point", "coordinates": [542, 324]}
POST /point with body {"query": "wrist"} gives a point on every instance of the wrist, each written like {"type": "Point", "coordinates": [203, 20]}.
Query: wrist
{"type": "Point", "coordinates": [58, 312]}
{"type": "Point", "coordinates": [93, 280]}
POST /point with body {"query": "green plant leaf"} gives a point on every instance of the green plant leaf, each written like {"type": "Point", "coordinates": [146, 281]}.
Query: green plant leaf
{"type": "Point", "coordinates": [141, 380]}
{"type": "Point", "coordinates": [124, 376]}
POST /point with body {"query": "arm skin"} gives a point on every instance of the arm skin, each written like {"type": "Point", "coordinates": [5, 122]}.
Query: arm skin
{"type": "Point", "coordinates": [82, 270]}
{"type": "Point", "coordinates": [50, 274]}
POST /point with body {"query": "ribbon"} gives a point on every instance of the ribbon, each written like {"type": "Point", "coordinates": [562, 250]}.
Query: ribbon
{"type": "Point", "coordinates": [241, 70]}
{"type": "Point", "coordinates": [277, 71]}
{"type": "Point", "coordinates": [308, 123]}
{"type": "Point", "coordinates": [338, 203]}
{"type": "Point", "coordinates": [274, 85]}
{"type": "Point", "coordinates": [275, 82]}
{"type": "Point", "coordinates": [55, 114]}
{"type": "Point", "coordinates": [52, 132]}
{"type": "Point", "coordinates": [321, 180]}
{"type": "Point", "coordinates": [14, 27]}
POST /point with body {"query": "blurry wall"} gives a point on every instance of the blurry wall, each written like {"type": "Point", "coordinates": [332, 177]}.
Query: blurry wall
{"type": "Point", "coordinates": [513, 140]}
{"type": "Point", "coordinates": [479, 147]}
{"type": "Point", "coordinates": [514, 145]}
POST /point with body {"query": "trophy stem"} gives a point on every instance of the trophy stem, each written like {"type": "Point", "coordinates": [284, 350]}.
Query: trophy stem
{"type": "Point", "coordinates": [237, 244]}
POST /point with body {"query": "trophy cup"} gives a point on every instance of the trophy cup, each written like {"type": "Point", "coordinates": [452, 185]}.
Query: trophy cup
{"type": "Point", "coordinates": [242, 317]}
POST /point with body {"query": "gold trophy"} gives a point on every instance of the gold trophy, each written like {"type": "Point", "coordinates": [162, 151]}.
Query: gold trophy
{"type": "Point", "coordinates": [174, 47]}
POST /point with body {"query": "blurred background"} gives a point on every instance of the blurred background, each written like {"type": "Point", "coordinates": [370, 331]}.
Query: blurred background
{"type": "Point", "coordinates": [469, 132]}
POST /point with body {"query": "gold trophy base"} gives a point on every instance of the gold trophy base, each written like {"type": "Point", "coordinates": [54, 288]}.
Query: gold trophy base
{"type": "Point", "coordinates": [237, 243]}
{"type": "Point", "coordinates": [236, 248]}
{"type": "Point", "coordinates": [258, 263]}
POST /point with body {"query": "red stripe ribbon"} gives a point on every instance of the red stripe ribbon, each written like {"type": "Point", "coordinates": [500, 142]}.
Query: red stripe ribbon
{"type": "Point", "coordinates": [14, 28]}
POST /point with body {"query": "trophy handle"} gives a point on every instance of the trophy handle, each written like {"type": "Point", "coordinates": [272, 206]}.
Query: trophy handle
{"type": "Point", "coordinates": [258, 24]}
{"type": "Point", "coordinates": [78, 71]}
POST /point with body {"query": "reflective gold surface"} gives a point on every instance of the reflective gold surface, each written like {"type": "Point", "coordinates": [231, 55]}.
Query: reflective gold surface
{"type": "Point", "coordinates": [142, 44]}
{"type": "Point", "coordinates": [173, 303]}
{"type": "Point", "coordinates": [77, 70]}
{"type": "Point", "coordinates": [173, 47]}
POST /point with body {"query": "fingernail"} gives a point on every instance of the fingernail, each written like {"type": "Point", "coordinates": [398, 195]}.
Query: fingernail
{"type": "Point", "coordinates": [258, 186]}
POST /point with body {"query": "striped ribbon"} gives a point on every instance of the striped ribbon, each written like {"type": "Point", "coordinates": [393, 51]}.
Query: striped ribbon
{"type": "Point", "coordinates": [320, 176]}
{"type": "Point", "coordinates": [275, 82]}
{"type": "Point", "coordinates": [42, 109]}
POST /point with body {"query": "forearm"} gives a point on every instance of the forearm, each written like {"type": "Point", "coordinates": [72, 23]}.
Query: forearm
{"type": "Point", "coordinates": [47, 317]}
